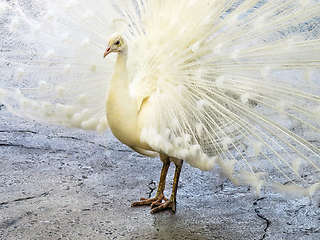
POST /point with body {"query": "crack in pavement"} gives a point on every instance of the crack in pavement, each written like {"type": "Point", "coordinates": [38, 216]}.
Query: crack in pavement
{"type": "Point", "coordinates": [79, 139]}
{"type": "Point", "coordinates": [33, 148]}
{"type": "Point", "coordinates": [56, 137]}
{"type": "Point", "coordinates": [18, 131]}
{"type": "Point", "coordinates": [268, 222]}
{"type": "Point", "coordinates": [98, 144]}
{"type": "Point", "coordinates": [25, 198]}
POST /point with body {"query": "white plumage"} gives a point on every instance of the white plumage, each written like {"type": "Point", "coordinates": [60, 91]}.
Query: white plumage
{"type": "Point", "coordinates": [233, 83]}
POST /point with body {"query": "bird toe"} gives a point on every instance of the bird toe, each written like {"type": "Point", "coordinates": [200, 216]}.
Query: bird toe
{"type": "Point", "coordinates": [157, 207]}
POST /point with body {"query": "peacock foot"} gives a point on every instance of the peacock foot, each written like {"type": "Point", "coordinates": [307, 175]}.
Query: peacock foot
{"type": "Point", "coordinates": [157, 203]}
{"type": "Point", "coordinates": [159, 206]}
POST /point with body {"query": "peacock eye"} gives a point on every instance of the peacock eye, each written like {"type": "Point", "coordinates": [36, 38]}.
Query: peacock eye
{"type": "Point", "coordinates": [117, 43]}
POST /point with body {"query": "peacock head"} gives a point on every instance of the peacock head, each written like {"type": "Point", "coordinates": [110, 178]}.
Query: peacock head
{"type": "Point", "coordinates": [116, 44]}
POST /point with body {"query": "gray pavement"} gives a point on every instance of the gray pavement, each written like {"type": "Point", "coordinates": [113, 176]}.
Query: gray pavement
{"type": "Point", "coordinates": [59, 183]}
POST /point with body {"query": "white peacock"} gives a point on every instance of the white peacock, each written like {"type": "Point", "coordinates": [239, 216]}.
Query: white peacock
{"type": "Point", "coordinates": [233, 83]}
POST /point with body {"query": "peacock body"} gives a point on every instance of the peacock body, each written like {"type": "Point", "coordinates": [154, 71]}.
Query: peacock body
{"type": "Point", "coordinates": [233, 83]}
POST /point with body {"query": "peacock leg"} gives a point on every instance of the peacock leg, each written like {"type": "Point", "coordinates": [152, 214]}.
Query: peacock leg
{"type": "Point", "coordinates": [171, 203]}
{"type": "Point", "coordinates": [159, 195]}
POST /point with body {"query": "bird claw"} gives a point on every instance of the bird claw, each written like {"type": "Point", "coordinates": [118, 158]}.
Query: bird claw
{"type": "Point", "coordinates": [144, 201]}
{"type": "Point", "coordinates": [159, 206]}
{"type": "Point", "coordinates": [156, 203]}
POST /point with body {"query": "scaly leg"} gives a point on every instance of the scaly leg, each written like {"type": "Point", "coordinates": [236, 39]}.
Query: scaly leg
{"type": "Point", "coordinates": [159, 196]}
{"type": "Point", "coordinates": [171, 203]}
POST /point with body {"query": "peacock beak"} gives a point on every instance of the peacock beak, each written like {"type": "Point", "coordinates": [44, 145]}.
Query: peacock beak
{"type": "Point", "coordinates": [108, 50]}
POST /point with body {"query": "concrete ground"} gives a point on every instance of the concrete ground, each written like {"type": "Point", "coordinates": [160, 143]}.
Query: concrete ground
{"type": "Point", "coordinates": [58, 183]}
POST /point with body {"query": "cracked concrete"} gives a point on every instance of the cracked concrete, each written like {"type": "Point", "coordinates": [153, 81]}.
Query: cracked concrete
{"type": "Point", "coordinates": [262, 217]}
{"type": "Point", "coordinates": [58, 183]}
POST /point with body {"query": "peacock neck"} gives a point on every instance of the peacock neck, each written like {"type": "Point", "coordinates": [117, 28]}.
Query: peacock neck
{"type": "Point", "coordinates": [121, 106]}
{"type": "Point", "coordinates": [119, 82]}
{"type": "Point", "coordinates": [121, 62]}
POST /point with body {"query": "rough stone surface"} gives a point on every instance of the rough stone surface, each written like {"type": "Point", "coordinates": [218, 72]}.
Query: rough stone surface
{"type": "Point", "coordinates": [58, 183]}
